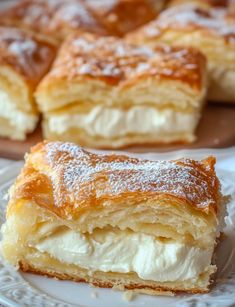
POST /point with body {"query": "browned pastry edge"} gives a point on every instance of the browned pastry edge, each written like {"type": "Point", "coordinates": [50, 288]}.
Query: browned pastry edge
{"type": "Point", "coordinates": [117, 62]}
{"type": "Point", "coordinates": [27, 268]}
{"type": "Point", "coordinates": [28, 54]}
{"type": "Point", "coordinates": [58, 19]}
{"type": "Point", "coordinates": [215, 22]}
{"type": "Point", "coordinates": [68, 180]}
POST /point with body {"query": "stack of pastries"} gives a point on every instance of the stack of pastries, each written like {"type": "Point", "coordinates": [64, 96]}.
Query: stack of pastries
{"type": "Point", "coordinates": [125, 76]}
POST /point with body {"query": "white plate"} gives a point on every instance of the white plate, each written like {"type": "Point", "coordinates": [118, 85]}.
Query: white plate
{"type": "Point", "coordinates": [18, 289]}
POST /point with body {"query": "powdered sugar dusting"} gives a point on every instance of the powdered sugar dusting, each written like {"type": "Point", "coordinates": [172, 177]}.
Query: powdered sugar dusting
{"type": "Point", "coordinates": [86, 176]}
{"type": "Point", "coordinates": [215, 20]}
{"type": "Point", "coordinates": [75, 14]}
{"type": "Point", "coordinates": [25, 52]}
{"type": "Point", "coordinates": [21, 47]}
{"type": "Point", "coordinates": [118, 62]}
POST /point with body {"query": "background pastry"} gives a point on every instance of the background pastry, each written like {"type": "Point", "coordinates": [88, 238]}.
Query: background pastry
{"type": "Point", "coordinates": [122, 16]}
{"type": "Point", "coordinates": [67, 218]}
{"type": "Point", "coordinates": [212, 31]}
{"type": "Point", "coordinates": [24, 59]}
{"type": "Point", "coordinates": [102, 92]}
{"type": "Point", "coordinates": [57, 19]}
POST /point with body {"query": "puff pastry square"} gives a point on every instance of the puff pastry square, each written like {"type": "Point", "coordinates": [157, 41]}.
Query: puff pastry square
{"type": "Point", "coordinates": [57, 19]}
{"type": "Point", "coordinates": [115, 221]}
{"type": "Point", "coordinates": [24, 59]}
{"type": "Point", "coordinates": [103, 92]}
{"type": "Point", "coordinates": [212, 31]}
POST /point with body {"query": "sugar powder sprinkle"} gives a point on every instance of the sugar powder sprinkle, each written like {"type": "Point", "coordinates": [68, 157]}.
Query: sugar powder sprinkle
{"type": "Point", "coordinates": [85, 175]}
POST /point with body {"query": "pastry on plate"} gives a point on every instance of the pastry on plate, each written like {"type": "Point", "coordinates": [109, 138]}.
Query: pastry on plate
{"type": "Point", "coordinates": [57, 19]}
{"type": "Point", "coordinates": [24, 59]}
{"type": "Point", "coordinates": [115, 221]}
{"type": "Point", "coordinates": [103, 92]}
{"type": "Point", "coordinates": [212, 31]}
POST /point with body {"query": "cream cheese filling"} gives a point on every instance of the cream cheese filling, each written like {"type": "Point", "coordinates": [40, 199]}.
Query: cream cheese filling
{"type": "Point", "coordinates": [22, 121]}
{"type": "Point", "coordinates": [115, 122]}
{"type": "Point", "coordinates": [127, 251]}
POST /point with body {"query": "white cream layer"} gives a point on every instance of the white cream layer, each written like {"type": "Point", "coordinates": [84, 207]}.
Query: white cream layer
{"type": "Point", "coordinates": [126, 251]}
{"type": "Point", "coordinates": [22, 121]}
{"type": "Point", "coordinates": [115, 122]}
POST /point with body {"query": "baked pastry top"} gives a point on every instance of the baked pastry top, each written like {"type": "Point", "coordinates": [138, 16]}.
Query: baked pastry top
{"type": "Point", "coordinates": [211, 30]}
{"type": "Point", "coordinates": [118, 64]}
{"type": "Point", "coordinates": [69, 181]}
{"type": "Point", "coordinates": [213, 22]}
{"type": "Point", "coordinates": [27, 54]}
{"type": "Point", "coordinates": [53, 18]}
{"type": "Point", "coordinates": [59, 18]}
{"type": "Point", "coordinates": [122, 16]}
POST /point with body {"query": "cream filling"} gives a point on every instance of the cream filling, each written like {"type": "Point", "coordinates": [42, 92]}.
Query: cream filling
{"type": "Point", "coordinates": [115, 122]}
{"type": "Point", "coordinates": [20, 120]}
{"type": "Point", "coordinates": [127, 251]}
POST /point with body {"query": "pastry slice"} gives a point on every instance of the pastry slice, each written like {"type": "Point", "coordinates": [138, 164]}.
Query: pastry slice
{"type": "Point", "coordinates": [114, 221]}
{"type": "Point", "coordinates": [102, 92]}
{"type": "Point", "coordinates": [57, 19]}
{"type": "Point", "coordinates": [212, 31]}
{"type": "Point", "coordinates": [24, 59]}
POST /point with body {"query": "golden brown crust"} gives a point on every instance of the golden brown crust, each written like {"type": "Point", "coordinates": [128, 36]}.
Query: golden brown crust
{"type": "Point", "coordinates": [115, 62]}
{"type": "Point", "coordinates": [25, 53]}
{"type": "Point", "coordinates": [59, 18]}
{"type": "Point", "coordinates": [53, 18]}
{"type": "Point", "coordinates": [122, 16]}
{"type": "Point", "coordinates": [139, 288]}
{"type": "Point", "coordinates": [68, 180]}
{"type": "Point", "coordinates": [187, 18]}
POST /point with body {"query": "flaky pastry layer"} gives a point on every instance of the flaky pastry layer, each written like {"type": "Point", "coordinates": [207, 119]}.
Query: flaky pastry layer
{"type": "Point", "coordinates": [74, 171]}
{"type": "Point", "coordinates": [121, 74]}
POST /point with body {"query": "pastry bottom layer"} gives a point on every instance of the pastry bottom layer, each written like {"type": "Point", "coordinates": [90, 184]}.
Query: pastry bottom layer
{"type": "Point", "coordinates": [45, 265]}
